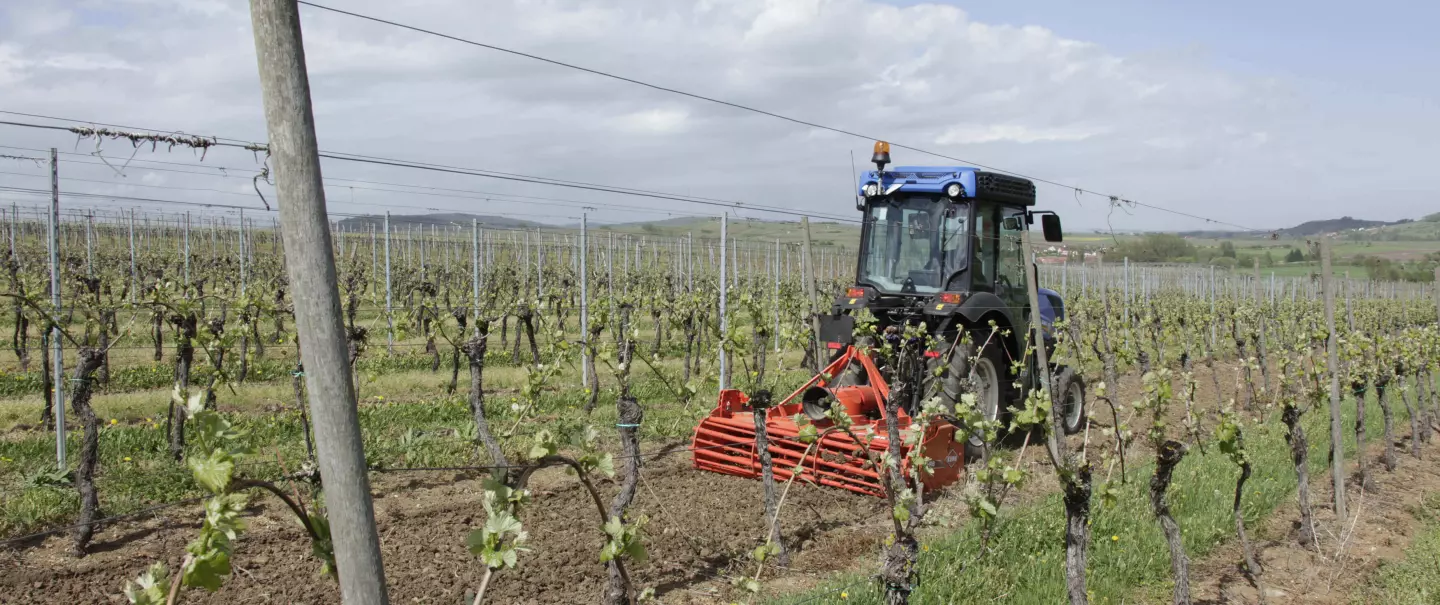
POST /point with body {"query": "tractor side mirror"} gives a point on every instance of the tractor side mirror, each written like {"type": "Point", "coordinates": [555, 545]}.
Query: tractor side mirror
{"type": "Point", "coordinates": [1050, 224]}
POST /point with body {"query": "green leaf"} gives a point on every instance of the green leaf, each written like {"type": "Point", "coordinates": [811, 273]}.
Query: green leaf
{"type": "Point", "coordinates": [635, 550]}
{"type": "Point", "coordinates": [322, 548]}
{"type": "Point", "coordinates": [615, 528]}
{"type": "Point", "coordinates": [213, 472]}
{"type": "Point", "coordinates": [901, 513]}
{"type": "Point", "coordinates": [150, 588]}
{"type": "Point", "coordinates": [1013, 476]}
{"type": "Point", "coordinates": [544, 445]}
{"type": "Point", "coordinates": [989, 507]}
{"type": "Point", "coordinates": [606, 465]}
{"type": "Point", "coordinates": [502, 523]}
{"type": "Point", "coordinates": [207, 571]}
{"type": "Point", "coordinates": [196, 403]}
{"type": "Point", "coordinates": [478, 541]}
{"type": "Point", "coordinates": [509, 557]}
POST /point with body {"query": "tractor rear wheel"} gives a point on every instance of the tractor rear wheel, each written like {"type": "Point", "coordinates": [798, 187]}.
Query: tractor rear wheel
{"type": "Point", "coordinates": [984, 374]}
{"type": "Point", "coordinates": [1069, 394]}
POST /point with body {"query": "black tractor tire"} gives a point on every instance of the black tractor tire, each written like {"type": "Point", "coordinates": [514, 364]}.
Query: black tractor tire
{"type": "Point", "coordinates": [991, 382]}
{"type": "Point", "coordinates": [1069, 394]}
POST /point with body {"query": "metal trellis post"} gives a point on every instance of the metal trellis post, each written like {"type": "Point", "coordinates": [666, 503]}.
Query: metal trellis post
{"type": "Point", "coordinates": [57, 355]}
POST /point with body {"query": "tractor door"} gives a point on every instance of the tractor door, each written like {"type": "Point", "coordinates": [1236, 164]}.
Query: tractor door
{"type": "Point", "coordinates": [986, 246]}
{"type": "Point", "coordinates": [1010, 274]}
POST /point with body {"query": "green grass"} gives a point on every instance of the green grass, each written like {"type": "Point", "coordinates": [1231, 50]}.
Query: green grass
{"type": "Point", "coordinates": [406, 419]}
{"type": "Point", "coordinates": [1127, 553]}
{"type": "Point", "coordinates": [1414, 580]}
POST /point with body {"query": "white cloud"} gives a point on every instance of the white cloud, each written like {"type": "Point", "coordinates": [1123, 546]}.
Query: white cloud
{"type": "Point", "coordinates": [1021, 97]}
{"type": "Point", "coordinates": [654, 121]}
{"type": "Point", "coordinates": [973, 134]}
{"type": "Point", "coordinates": [87, 62]}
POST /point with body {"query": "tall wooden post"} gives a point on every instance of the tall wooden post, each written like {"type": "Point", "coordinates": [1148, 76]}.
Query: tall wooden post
{"type": "Point", "coordinates": [310, 263]}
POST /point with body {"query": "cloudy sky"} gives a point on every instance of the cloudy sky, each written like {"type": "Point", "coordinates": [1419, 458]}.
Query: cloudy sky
{"type": "Point", "coordinates": [1261, 114]}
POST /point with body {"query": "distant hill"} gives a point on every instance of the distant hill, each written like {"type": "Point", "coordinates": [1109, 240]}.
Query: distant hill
{"type": "Point", "coordinates": [1401, 229]}
{"type": "Point", "coordinates": [364, 223]}
{"type": "Point", "coordinates": [1334, 225]}
{"type": "Point", "coordinates": [822, 233]}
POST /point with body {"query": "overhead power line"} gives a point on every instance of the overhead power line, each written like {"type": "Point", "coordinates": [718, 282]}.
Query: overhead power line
{"type": "Point", "coordinates": [1112, 199]}
{"type": "Point", "coordinates": [218, 141]}
{"type": "Point", "coordinates": [331, 183]}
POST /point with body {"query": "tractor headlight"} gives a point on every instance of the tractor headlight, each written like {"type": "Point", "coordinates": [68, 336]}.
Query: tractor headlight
{"type": "Point", "coordinates": [872, 189]}
{"type": "Point", "coordinates": [954, 190]}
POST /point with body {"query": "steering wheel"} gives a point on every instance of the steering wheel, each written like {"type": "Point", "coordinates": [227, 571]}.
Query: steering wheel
{"type": "Point", "coordinates": [1002, 283]}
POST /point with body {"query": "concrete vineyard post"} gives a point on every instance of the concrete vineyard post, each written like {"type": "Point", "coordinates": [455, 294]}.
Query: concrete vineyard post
{"type": "Point", "coordinates": [1213, 329]}
{"type": "Point", "coordinates": [389, 300]}
{"type": "Point", "coordinates": [240, 247]}
{"type": "Point", "coordinates": [319, 322]}
{"type": "Point", "coordinates": [775, 265]}
{"type": "Point", "coordinates": [14, 218]}
{"type": "Point", "coordinates": [56, 357]}
{"type": "Point", "coordinates": [809, 277]}
{"type": "Point", "coordinates": [90, 245]}
{"type": "Point", "coordinates": [724, 362]}
{"type": "Point", "coordinates": [134, 280]}
{"type": "Point", "coordinates": [584, 302]}
{"type": "Point", "coordinates": [1127, 297]}
{"type": "Point", "coordinates": [475, 269]}
{"type": "Point", "coordinates": [1332, 365]}
{"type": "Point", "coordinates": [610, 278]}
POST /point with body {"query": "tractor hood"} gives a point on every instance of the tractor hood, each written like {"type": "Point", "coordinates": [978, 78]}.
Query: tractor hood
{"type": "Point", "coordinates": [1052, 307]}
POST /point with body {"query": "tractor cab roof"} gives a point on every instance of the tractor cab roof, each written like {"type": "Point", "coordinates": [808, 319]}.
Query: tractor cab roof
{"type": "Point", "coordinates": [974, 183]}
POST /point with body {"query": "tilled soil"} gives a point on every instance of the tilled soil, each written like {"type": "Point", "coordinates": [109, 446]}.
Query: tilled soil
{"type": "Point", "coordinates": [701, 527]}
{"type": "Point", "coordinates": [1379, 528]}
{"type": "Point", "coordinates": [700, 530]}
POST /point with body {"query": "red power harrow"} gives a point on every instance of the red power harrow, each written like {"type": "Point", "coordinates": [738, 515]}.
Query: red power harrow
{"type": "Point", "coordinates": [724, 442]}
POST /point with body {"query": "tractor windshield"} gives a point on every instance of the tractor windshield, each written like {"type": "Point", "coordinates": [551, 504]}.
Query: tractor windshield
{"type": "Point", "coordinates": [913, 244]}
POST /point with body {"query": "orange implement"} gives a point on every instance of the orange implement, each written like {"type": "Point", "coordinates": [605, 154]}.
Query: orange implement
{"type": "Point", "coordinates": [724, 442]}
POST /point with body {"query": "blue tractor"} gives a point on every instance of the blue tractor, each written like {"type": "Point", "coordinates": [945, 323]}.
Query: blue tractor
{"type": "Point", "coordinates": [942, 246]}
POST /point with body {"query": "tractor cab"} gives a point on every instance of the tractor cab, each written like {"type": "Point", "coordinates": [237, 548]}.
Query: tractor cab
{"type": "Point", "coordinates": [939, 242]}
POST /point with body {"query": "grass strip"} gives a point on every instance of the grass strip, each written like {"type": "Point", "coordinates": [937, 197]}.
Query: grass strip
{"type": "Point", "coordinates": [1128, 552]}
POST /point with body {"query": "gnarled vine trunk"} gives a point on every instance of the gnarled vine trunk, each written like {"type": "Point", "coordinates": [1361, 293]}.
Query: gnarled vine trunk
{"type": "Point", "coordinates": [89, 362]}
{"type": "Point", "coordinates": [1252, 568]}
{"type": "Point", "coordinates": [1300, 457]}
{"type": "Point", "coordinates": [629, 417]}
{"type": "Point", "coordinates": [1166, 459]}
{"type": "Point", "coordinates": [1077, 534]}
{"type": "Point", "coordinates": [1362, 465]}
{"type": "Point", "coordinates": [47, 413]}
{"type": "Point", "coordinates": [475, 354]}
{"type": "Point", "coordinates": [1381, 391]}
